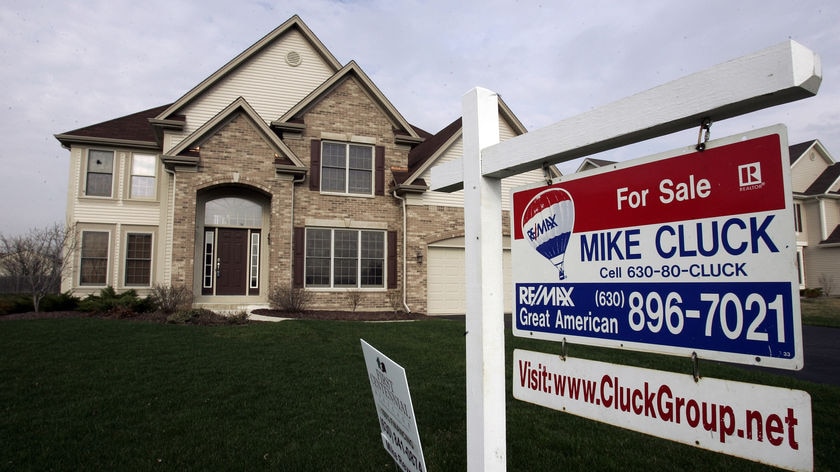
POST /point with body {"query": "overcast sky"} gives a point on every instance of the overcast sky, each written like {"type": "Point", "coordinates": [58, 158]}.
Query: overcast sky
{"type": "Point", "coordinates": [65, 65]}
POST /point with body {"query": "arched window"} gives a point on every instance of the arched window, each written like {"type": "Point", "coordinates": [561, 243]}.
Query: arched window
{"type": "Point", "coordinates": [232, 211]}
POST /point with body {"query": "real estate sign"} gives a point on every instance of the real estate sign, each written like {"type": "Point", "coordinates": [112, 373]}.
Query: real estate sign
{"type": "Point", "coordinates": [389, 385]}
{"type": "Point", "coordinates": [679, 253]}
{"type": "Point", "coordinates": [766, 424]}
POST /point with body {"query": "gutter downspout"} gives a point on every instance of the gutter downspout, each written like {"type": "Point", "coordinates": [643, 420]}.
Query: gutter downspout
{"type": "Point", "coordinates": [170, 227]}
{"type": "Point", "coordinates": [405, 237]}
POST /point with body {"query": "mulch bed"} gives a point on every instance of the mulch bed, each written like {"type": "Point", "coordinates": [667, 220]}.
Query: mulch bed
{"type": "Point", "coordinates": [161, 318]}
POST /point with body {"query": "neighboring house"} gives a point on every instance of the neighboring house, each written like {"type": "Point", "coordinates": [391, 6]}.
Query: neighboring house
{"type": "Point", "coordinates": [283, 168]}
{"type": "Point", "coordinates": [815, 177]}
{"type": "Point", "coordinates": [815, 183]}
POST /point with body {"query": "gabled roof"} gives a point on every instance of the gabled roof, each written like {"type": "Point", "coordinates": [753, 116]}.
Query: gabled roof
{"type": "Point", "coordinates": [292, 23]}
{"type": "Point", "coordinates": [592, 163]}
{"type": "Point", "coordinates": [426, 154]}
{"type": "Point", "coordinates": [184, 152]}
{"type": "Point", "coordinates": [825, 182]}
{"type": "Point", "coordinates": [405, 132]}
{"type": "Point", "coordinates": [130, 130]}
{"type": "Point", "coordinates": [798, 150]}
{"type": "Point", "coordinates": [833, 238]}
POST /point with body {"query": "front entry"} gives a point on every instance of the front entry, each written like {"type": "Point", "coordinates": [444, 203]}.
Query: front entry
{"type": "Point", "coordinates": [232, 262]}
{"type": "Point", "coordinates": [231, 250]}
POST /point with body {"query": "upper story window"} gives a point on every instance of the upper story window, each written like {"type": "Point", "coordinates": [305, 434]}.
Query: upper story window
{"type": "Point", "coordinates": [100, 173]}
{"type": "Point", "coordinates": [143, 167]}
{"type": "Point", "coordinates": [347, 168]}
{"type": "Point", "coordinates": [797, 217]}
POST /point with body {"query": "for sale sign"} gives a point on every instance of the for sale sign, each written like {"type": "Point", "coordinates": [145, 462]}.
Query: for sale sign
{"type": "Point", "coordinates": [680, 253]}
{"type": "Point", "coordinates": [765, 424]}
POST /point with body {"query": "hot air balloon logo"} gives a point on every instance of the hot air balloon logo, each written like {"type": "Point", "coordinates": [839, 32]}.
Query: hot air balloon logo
{"type": "Point", "coordinates": [547, 224]}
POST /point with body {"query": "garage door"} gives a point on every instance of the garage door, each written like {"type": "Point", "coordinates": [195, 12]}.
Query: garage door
{"type": "Point", "coordinates": [446, 289]}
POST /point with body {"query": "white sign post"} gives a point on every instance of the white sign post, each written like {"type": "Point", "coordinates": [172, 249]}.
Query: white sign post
{"type": "Point", "coordinates": [781, 74]}
{"type": "Point", "coordinates": [397, 422]}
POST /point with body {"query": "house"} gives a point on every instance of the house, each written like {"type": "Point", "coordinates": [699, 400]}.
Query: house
{"type": "Point", "coordinates": [284, 168]}
{"type": "Point", "coordinates": [815, 182]}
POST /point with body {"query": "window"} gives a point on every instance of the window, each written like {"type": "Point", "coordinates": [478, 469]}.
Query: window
{"type": "Point", "coordinates": [143, 176]}
{"type": "Point", "coordinates": [100, 173]}
{"type": "Point", "coordinates": [254, 268]}
{"type": "Point", "coordinates": [138, 259]}
{"type": "Point", "coordinates": [232, 211]}
{"type": "Point", "coordinates": [93, 269]}
{"type": "Point", "coordinates": [797, 217]}
{"type": "Point", "coordinates": [347, 168]}
{"type": "Point", "coordinates": [344, 258]}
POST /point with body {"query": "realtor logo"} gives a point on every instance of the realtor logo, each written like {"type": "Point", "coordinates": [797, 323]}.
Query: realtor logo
{"type": "Point", "coordinates": [749, 176]}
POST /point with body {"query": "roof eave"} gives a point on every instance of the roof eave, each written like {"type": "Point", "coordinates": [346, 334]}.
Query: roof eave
{"type": "Point", "coordinates": [67, 140]}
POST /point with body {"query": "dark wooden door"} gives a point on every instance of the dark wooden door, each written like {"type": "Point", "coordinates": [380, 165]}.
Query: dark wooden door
{"type": "Point", "coordinates": [232, 254]}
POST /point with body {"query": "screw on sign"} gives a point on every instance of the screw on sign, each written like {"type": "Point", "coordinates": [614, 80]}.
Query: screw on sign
{"type": "Point", "coordinates": [548, 221]}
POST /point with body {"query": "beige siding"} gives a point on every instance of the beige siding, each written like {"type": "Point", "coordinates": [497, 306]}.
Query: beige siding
{"type": "Point", "coordinates": [456, 199]}
{"type": "Point", "coordinates": [821, 266]}
{"type": "Point", "coordinates": [266, 81]}
{"type": "Point", "coordinates": [807, 169]}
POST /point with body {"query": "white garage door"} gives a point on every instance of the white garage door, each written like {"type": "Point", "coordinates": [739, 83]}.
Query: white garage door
{"type": "Point", "coordinates": [446, 288]}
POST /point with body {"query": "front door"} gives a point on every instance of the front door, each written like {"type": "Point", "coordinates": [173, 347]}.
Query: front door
{"type": "Point", "coordinates": [232, 262]}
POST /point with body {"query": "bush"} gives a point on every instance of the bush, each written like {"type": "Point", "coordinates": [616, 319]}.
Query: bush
{"type": "Point", "coordinates": [60, 302]}
{"type": "Point", "coordinates": [109, 302]}
{"type": "Point", "coordinates": [203, 316]}
{"type": "Point", "coordinates": [10, 304]}
{"type": "Point", "coordinates": [171, 298]}
{"type": "Point", "coordinates": [289, 299]}
{"type": "Point", "coordinates": [811, 292]}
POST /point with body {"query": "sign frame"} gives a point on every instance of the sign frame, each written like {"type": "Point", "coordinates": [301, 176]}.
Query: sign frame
{"type": "Point", "coordinates": [654, 297]}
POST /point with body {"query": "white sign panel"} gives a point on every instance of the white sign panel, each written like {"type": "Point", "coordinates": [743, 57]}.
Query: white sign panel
{"type": "Point", "coordinates": [396, 413]}
{"type": "Point", "coordinates": [680, 253]}
{"type": "Point", "coordinates": [770, 425]}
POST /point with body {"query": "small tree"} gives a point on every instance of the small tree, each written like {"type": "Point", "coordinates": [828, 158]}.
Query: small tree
{"type": "Point", "coordinates": [38, 260]}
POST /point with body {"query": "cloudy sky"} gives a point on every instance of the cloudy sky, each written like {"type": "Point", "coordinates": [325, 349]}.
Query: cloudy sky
{"type": "Point", "coordinates": [66, 65]}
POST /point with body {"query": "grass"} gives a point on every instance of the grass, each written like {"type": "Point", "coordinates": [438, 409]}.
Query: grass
{"type": "Point", "coordinates": [92, 394]}
{"type": "Point", "coordinates": [822, 311]}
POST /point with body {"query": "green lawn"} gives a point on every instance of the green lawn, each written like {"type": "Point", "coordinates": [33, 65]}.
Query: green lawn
{"type": "Point", "coordinates": [91, 394]}
{"type": "Point", "coordinates": [822, 311]}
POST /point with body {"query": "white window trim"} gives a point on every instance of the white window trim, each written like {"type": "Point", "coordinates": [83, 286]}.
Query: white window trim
{"type": "Point", "coordinates": [151, 260]}
{"type": "Point", "coordinates": [154, 177]}
{"type": "Point", "coordinates": [107, 259]}
{"type": "Point", "coordinates": [332, 286]}
{"type": "Point", "coordinates": [86, 172]}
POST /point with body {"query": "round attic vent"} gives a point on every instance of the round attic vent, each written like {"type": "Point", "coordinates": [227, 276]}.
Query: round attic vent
{"type": "Point", "coordinates": [293, 58]}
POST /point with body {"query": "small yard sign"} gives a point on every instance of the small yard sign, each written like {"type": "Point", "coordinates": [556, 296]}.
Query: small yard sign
{"type": "Point", "coordinates": [770, 425]}
{"type": "Point", "coordinates": [393, 406]}
{"type": "Point", "coordinates": [680, 253]}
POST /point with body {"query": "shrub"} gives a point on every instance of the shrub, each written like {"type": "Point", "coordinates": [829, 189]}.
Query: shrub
{"type": "Point", "coordinates": [110, 302]}
{"type": "Point", "coordinates": [395, 298]}
{"type": "Point", "coordinates": [59, 302]}
{"type": "Point", "coordinates": [812, 292]}
{"type": "Point", "coordinates": [355, 298]}
{"type": "Point", "coordinates": [289, 299]}
{"type": "Point", "coordinates": [10, 304]}
{"type": "Point", "coordinates": [203, 316]}
{"type": "Point", "coordinates": [171, 298]}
